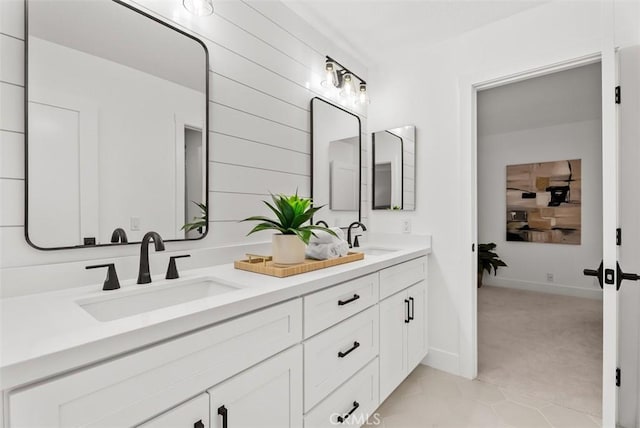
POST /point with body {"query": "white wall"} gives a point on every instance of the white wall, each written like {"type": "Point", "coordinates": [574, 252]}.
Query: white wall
{"type": "Point", "coordinates": [265, 66]}
{"type": "Point", "coordinates": [530, 262]}
{"type": "Point", "coordinates": [428, 95]}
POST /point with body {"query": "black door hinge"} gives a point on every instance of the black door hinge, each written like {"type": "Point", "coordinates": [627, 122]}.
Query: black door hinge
{"type": "Point", "coordinates": [618, 96]}
{"type": "Point", "coordinates": [617, 377]}
{"type": "Point", "coordinates": [619, 236]}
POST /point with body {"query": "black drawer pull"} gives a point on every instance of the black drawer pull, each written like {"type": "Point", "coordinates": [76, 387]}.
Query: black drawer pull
{"type": "Point", "coordinates": [222, 411]}
{"type": "Point", "coordinates": [413, 309]}
{"type": "Point", "coordinates": [199, 424]}
{"type": "Point", "coordinates": [344, 302]}
{"type": "Point", "coordinates": [407, 318]}
{"type": "Point", "coordinates": [355, 346]}
{"type": "Point", "coordinates": [341, 419]}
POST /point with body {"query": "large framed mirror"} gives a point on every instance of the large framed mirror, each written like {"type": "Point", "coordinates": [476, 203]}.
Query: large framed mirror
{"type": "Point", "coordinates": [394, 169]}
{"type": "Point", "coordinates": [336, 142]}
{"type": "Point", "coordinates": [116, 126]}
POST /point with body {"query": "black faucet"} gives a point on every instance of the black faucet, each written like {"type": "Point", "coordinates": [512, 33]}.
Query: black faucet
{"type": "Point", "coordinates": [322, 222]}
{"type": "Point", "coordinates": [352, 225]}
{"type": "Point", "coordinates": [119, 235]}
{"type": "Point", "coordinates": [144, 276]}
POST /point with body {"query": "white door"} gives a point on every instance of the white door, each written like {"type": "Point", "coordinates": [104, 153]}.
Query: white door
{"type": "Point", "coordinates": [268, 395]}
{"type": "Point", "coordinates": [417, 327]}
{"type": "Point", "coordinates": [610, 168]}
{"type": "Point", "coordinates": [394, 315]}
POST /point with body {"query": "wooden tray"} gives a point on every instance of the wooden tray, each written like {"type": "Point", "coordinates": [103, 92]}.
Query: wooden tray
{"type": "Point", "coordinates": [265, 266]}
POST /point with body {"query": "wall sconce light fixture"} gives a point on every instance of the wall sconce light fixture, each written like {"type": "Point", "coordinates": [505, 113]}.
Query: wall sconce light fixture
{"type": "Point", "coordinates": [341, 78]}
{"type": "Point", "coordinates": [199, 7]}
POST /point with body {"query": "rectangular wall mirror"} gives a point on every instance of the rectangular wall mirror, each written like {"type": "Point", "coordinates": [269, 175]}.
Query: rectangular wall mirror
{"type": "Point", "coordinates": [394, 174]}
{"type": "Point", "coordinates": [335, 159]}
{"type": "Point", "coordinates": [117, 106]}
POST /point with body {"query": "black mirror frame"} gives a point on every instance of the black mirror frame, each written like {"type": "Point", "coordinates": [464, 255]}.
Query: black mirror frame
{"type": "Point", "coordinates": [26, 132]}
{"type": "Point", "coordinates": [373, 171]}
{"type": "Point", "coordinates": [359, 153]}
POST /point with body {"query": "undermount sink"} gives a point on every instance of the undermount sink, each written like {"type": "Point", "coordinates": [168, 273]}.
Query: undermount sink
{"type": "Point", "coordinates": [121, 304]}
{"type": "Point", "coordinates": [377, 251]}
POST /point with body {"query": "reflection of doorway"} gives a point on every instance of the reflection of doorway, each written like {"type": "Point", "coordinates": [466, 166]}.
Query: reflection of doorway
{"type": "Point", "coordinates": [383, 180]}
{"type": "Point", "coordinates": [193, 173]}
{"type": "Point", "coordinates": [540, 319]}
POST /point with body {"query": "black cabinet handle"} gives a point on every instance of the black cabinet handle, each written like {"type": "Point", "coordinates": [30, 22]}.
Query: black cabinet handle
{"type": "Point", "coordinates": [344, 302]}
{"type": "Point", "coordinates": [355, 346]}
{"type": "Point", "coordinates": [222, 411]}
{"type": "Point", "coordinates": [341, 419]}
{"type": "Point", "coordinates": [406, 311]}
{"type": "Point", "coordinates": [199, 424]}
{"type": "Point", "coordinates": [413, 309]}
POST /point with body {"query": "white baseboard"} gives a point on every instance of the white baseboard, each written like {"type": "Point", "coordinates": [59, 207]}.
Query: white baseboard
{"type": "Point", "coordinates": [564, 290]}
{"type": "Point", "coordinates": [443, 360]}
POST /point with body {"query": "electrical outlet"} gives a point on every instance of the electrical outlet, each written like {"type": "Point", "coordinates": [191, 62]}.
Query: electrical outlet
{"type": "Point", "coordinates": [406, 226]}
{"type": "Point", "coordinates": [549, 277]}
{"type": "Point", "coordinates": [135, 223]}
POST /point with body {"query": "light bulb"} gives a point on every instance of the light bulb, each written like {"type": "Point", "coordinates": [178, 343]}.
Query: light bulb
{"type": "Point", "coordinates": [199, 7]}
{"type": "Point", "coordinates": [348, 88]}
{"type": "Point", "coordinates": [330, 80]}
{"type": "Point", "coordinates": [363, 97]}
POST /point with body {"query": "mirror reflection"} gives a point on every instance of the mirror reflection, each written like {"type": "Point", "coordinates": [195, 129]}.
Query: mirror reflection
{"type": "Point", "coordinates": [336, 163]}
{"type": "Point", "coordinates": [394, 159]}
{"type": "Point", "coordinates": [119, 101]}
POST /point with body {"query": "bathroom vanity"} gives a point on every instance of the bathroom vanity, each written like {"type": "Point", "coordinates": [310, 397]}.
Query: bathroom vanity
{"type": "Point", "coordinates": [241, 349]}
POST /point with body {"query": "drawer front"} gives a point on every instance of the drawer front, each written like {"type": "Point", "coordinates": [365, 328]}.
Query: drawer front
{"type": "Point", "coordinates": [401, 276]}
{"type": "Point", "coordinates": [361, 391]}
{"type": "Point", "coordinates": [328, 307]}
{"type": "Point", "coordinates": [194, 413]}
{"type": "Point", "coordinates": [129, 390]}
{"type": "Point", "coordinates": [338, 353]}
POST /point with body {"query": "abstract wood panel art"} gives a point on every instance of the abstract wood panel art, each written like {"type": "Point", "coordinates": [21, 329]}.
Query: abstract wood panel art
{"type": "Point", "coordinates": [544, 202]}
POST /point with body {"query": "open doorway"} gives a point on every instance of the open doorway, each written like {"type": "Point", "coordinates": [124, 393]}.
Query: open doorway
{"type": "Point", "coordinates": [539, 199]}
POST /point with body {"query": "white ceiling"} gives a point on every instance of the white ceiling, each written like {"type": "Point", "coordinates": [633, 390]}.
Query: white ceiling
{"type": "Point", "coordinates": [373, 29]}
{"type": "Point", "coordinates": [555, 99]}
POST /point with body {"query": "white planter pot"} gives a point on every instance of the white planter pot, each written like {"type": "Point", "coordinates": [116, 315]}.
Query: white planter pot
{"type": "Point", "coordinates": [287, 249]}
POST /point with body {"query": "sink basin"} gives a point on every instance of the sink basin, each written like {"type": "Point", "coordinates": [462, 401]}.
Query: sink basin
{"type": "Point", "coordinates": [377, 251]}
{"type": "Point", "coordinates": [121, 303]}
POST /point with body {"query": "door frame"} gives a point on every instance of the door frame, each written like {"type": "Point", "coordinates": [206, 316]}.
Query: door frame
{"type": "Point", "coordinates": [468, 88]}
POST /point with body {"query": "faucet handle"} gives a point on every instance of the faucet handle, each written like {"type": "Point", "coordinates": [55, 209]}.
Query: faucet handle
{"type": "Point", "coordinates": [356, 243]}
{"type": "Point", "coordinates": [172, 269]}
{"type": "Point", "coordinates": [111, 281]}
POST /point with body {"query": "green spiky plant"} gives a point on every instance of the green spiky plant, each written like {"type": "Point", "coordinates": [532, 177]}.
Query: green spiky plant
{"type": "Point", "coordinates": [198, 223]}
{"type": "Point", "coordinates": [488, 260]}
{"type": "Point", "coordinates": [292, 213]}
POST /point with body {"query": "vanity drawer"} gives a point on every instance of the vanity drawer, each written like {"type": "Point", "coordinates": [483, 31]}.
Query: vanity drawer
{"type": "Point", "coordinates": [401, 276]}
{"type": "Point", "coordinates": [360, 390]}
{"type": "Point", "coordinates": [129, 390]}
{"type": "Point", "coordinates": [328, 307]}
{"type": "Point", "coordinates": [336, 354]}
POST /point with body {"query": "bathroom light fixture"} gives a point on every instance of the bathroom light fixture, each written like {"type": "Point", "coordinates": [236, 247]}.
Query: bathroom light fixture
{"type": "Point", "coordinates": [339, 77]}
{"type": "Point", "coordinates": [199, 7]}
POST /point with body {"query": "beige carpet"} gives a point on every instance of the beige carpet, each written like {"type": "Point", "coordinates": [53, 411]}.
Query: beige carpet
{"type": "Point", "coordinates": [542, 345]}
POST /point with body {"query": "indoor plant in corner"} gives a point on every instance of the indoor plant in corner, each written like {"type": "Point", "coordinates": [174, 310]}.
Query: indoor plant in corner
{"type": "Point", "coordinates": [292, 212]}
{"type": "Point", "coordinates": [488, 260]}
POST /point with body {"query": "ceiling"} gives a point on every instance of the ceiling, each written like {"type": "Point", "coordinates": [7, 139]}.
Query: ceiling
{"type": "Point", "coordinates": [374, 29]}
{"type": "Point", "coordinates": [554, 99]}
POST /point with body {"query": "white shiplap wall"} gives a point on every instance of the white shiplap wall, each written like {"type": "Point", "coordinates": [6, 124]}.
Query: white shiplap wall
{"type": "Point", "coordinates": [265, 66]}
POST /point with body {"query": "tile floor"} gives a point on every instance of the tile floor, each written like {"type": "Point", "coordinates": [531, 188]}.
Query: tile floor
{"type": "Point", "coordinates": [432, 398]}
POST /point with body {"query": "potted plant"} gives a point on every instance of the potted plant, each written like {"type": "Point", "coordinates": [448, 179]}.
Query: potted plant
{"type": "Point", "coordinates": [198, 223]}
{"type": "Point", "coordinates": [488, 260]}
{"type": "Point", "coordinates": [292, 212]}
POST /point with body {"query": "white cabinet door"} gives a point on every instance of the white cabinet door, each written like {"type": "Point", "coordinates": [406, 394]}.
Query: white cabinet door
{"type": "Point", "coordinates": [393, 342]}
{"type": "Point", "coordinates": [268, 395]}
{"type": "Point", "coordinates": [417, 326]}
{"type": "Point", "coordinates": [192, 414]}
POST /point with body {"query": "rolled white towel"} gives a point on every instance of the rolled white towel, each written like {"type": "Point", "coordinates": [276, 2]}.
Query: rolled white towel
{"type": "Point", "coordinates": [323, 237]}
{"type": "Point", "coordinates": [327, 251]}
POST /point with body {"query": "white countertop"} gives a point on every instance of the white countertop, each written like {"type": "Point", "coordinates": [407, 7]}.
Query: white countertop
{"type": "Point", "coordinates": [46, 334]}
